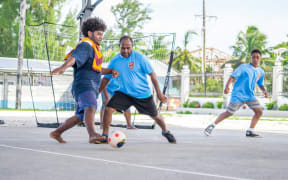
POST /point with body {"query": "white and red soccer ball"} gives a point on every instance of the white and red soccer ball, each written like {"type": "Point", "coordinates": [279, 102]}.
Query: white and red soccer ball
{"type": "Point", "coordinates": [117, 139]}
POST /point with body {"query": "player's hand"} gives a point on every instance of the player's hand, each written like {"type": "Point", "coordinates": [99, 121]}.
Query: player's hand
{"type": "Point", "coordinates": [226, 90]}
{"type": "Point", "coordinates": [266, 94]}
{"type": "Point", "coordinates": [162, 98]}
{"type": "Point", "coordinates": [58, 70]}
{"type": "Point", "coordinates": [115, 73]}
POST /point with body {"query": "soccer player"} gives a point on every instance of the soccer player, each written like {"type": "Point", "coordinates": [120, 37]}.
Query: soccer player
{"type": "Point", "coordinates": [246, 76]}
{"type": "Point", "coordinates": [86, 60]}
{"type": "Point", "coordinates": [134, 89]}
{"type": "Point", "coordinates": [106, 94]}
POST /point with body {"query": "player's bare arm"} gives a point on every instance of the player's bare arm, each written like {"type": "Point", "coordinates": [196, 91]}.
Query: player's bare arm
{"type": "Point", "coordinates": [60, 70]}
{"type": "Point", "coordinates": [227, 89]}
{"type": "Point", "coordinates": [103, 84]}
{"type": "Point", "coordinates": [263, 89]}
{"type": "Point", "coordinates": [114, 73]}
{"type": "Point", "coordinates": [106, 96]}
{"type": "Point", "coordinates": [160, 95]}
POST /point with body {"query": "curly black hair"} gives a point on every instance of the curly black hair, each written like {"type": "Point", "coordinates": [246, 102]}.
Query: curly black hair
{"type": "Point", "coordinates": [93, 24]}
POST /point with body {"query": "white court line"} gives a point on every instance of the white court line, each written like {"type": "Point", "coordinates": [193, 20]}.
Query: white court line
{"type": "Point", "coordinates": [126, 164]}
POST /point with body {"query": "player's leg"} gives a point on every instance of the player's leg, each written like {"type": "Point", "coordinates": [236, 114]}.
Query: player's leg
{"type": "Point", "coordinates": [101, 118]}
{"type": "Point", "coordinates": [107, 119]}
{"type": "Point", "coordinates": [119, 102]}
{"type": "Point", "coordinates": [148, 107]}
{"type": "Point", "coordinates": [231, 109]}
{"type": "Point", "coordinates": [87, 102]}
{"type": "Point", "coordinates": [89, 114]}
{"type": "Point", "coordinates": [69, 123]}
{"type": "Point", "coordinates": [256, 107]}
{"type": "Point", "coordinates": [160, 121]}
{"type": "Point", "coordinates": [102, 110]}
{"type": "Point", "coordinates": [127, 115]}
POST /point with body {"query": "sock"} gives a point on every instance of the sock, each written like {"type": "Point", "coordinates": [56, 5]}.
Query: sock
{"type": "Point", "coordinates": [250, 129]}
{"type": "Point", "coordinates": [165, 132]}
{"type": "Point", "coordinates": [103, 134]}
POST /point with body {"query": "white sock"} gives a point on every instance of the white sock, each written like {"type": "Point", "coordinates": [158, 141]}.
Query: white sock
{"type": "Point", "coordinates": [214, 124]}
{"type": "Point", "coordinates": [250, 129]}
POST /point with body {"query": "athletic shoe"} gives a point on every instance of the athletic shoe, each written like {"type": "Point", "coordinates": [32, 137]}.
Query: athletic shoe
{"type": "Point", "coordinates": [252, 134]}
{"type": "Point", "coordinates": [169, 137]}
{"type": "Point", "coordinates": [209, 130]}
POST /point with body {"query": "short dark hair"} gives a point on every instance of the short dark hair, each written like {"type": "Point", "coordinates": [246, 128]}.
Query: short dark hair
{"type": "Point", "coordinates": [256, 51]}
{"type": "Point", "coordinates": [125, 37]}
{"type": "Point", "coordinates": [93, 24]}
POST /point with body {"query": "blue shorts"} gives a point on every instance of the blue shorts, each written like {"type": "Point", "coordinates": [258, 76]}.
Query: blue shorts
{"type": "Point", "coordinates": [85, 99]}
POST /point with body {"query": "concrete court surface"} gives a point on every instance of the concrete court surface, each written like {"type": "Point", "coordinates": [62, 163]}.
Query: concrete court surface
{"type": "Point", "coordinates": [28, 153]}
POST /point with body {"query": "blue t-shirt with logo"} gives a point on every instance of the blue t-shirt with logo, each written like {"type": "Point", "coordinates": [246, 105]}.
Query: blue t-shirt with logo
{"type": "Point", "coordinates": [133, 72]}
{"type": "Point", "coordinates": [85, 78]}
{"type": "Point", "coordinates": [246, 78]}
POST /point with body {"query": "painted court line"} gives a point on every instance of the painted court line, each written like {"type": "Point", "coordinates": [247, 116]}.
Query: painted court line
{"type": "Point", "coordinates": [125, 164]}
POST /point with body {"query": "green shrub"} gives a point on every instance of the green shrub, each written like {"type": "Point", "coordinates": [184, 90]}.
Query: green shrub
{"type": "Point", "coordinates": [283, 107]}
{"type": "Point", "coordinates": [194, 104]}
{"type": "Point", "coordinates": [186, 103]}
{"type": "Point", "coordinates": [219, 104]}
{"type": "Point", "coordinates": [271, 106]}
{"type": "Point", "coordinates": [187, 112]}
{"type": "Point", "coordinates": [208, 105]}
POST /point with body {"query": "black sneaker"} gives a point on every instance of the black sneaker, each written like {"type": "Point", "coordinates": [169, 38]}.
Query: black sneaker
{"type": "Point", "coordinates": [169, 137]}
{"type": "Point", "coordinates": [252, 134]}
{"type": "Point", "coordinates": [209, 130]}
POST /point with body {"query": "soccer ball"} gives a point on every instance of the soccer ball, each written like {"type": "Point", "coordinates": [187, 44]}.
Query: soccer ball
{"type": "Point", "coordinates": [117, 139]}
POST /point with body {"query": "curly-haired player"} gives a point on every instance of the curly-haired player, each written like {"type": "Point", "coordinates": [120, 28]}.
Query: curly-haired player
{"type": "Point", "coordinates": [86, 60]}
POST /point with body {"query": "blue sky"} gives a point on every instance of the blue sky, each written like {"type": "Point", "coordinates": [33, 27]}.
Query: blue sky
{"type": "Point", "coordinates": [233, 16]}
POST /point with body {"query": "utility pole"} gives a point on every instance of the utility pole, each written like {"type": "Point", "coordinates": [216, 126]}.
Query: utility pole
{"type": "Point", "coordinates": [203, 66]}
{"type": "Point", "coordinates": [86, 12]}
{"type": "Point", "coordinates": [204, 39]}
{"type": "Point", "coordinates": [20, 53]}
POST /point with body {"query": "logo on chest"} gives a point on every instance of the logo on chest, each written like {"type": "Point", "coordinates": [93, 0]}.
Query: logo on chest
{"type": "Point", "coordinates": [131, 65]}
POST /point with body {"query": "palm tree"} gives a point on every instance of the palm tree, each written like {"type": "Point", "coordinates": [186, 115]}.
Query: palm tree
{"type": "Point", "coordinates": [246, 42]}
{"type": "Point", "coordinates": [284, 54]}
{"type": "Point", "coordinates": [160, 49]}
{"type": "Point", "coordinates": [183, 57]}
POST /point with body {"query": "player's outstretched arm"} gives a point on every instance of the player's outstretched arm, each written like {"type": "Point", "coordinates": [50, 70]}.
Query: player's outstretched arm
{"type": "Point", "coordinates": [114, 73]}
{"type": "Point", "coordinates": [227, 87]}
{"type": "Point", "coordinates": [263, 89]}
{"type": "Point", "coordinates": [60, 70]}
{"type": "Point", "coordinates": [160, 95]}
{"type": "Point", "coordinates": [103, 84]}
{"type": "Point", "coordinates": [106, 96]}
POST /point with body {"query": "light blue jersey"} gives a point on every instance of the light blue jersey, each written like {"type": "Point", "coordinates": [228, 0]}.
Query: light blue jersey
{"type": "Point", "coordinates": [133, 72]}
{"type": "Point", "coordinates": [112, 86]}
{"type": "Point", "coordinates": [246, 78]}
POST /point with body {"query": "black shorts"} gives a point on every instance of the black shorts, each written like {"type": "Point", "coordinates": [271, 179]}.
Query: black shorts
{"type": "Point", "coordinates": [121, 102]}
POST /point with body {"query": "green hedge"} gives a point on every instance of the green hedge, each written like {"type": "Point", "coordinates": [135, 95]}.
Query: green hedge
{"type": "Point", "coordinates": [271, 106]}
{"type": "Point", "coordinates": [219, 104]}
{"type": "Point", "coordinates": [194, 104]}
{"type": "Point", "coordinates": [208, 105]}
{"type": "Point", "coordinates": [283, 107]}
